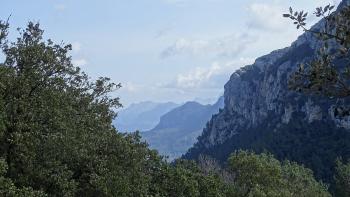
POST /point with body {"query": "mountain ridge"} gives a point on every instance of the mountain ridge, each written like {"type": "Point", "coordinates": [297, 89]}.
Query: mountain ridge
{"type": "Point", "coordinates": [178, 129]}
{"type": "Point", "coordinates": [261, 114]}
{"type": "Point", "coordinates": [142, 116]}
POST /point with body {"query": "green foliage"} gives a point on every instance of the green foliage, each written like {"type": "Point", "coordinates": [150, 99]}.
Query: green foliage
{"type": "Point", "coordinates": [56, 139]}
{"type": "Point", "coordinates": [342, 179]}
{"type": "Point", "coordinates": [316, 147]}
{"type": "Point", "coordinates": [186, 178]}
{"type": "Point", "coordinates": [57, 123]}
{"type": "Point", "coordinates": [300, 181]}
{"type": "Point", "coordinates": [263, 175]}
{"type": "Point", "coordinates": [7, 187]}
{"type": "Point", "coordinates": [57, 135]}
{"type": "Point", "coordinates": [255, 173]}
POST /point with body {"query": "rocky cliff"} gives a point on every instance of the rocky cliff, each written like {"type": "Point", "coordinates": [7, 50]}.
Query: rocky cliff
{"type": "Point", "coordinates": [262, 114]}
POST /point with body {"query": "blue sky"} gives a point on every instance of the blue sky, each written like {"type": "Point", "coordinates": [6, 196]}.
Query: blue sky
{"type": "Point", "coordinates": [163, 50]}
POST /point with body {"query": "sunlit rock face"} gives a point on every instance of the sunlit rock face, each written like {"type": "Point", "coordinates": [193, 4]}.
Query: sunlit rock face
{"type": "Point", "coordinates": [258, 103]}
{"type": "Point", "coordinates": [259, 91]}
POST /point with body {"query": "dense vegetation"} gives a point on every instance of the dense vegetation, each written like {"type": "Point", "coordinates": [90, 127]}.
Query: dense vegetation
{"type": "Point", "coordinates": [316, 147]}
{"type": "Point", "coordinates": [57, 139]}
{"type": "Point", "coordinates": [263, 175]}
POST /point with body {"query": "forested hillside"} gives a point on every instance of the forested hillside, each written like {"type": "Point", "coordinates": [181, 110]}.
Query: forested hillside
{"type": "Point", "coordinates": [57, 136]}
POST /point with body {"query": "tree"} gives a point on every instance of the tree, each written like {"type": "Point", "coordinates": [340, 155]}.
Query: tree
{"type": "Point", "coordinates": [342, 179]}
{"type": "Point", "coordinates": [56, 136]}
{"type": "Point", "coordinates": [56, 131]}
{"type": "Point", "coordinates": [7, 187]}
{"type": "Point", "coordinates": [186, 178]}
{"type": "Point", "coordinates": [329, 73]}
{"type": "Point", "coordinates": [263, 175]}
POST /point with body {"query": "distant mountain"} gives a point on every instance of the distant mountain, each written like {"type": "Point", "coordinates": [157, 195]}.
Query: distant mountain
{"type": "Point", "coordinates": [262, 114]}
{"type": "Point", "coordinates": [178, 129]}
{"type": "Point", "coordinates": [141, 116]}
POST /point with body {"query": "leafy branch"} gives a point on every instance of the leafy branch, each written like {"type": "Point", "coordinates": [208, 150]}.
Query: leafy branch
{"type": "Point", "coordinates": [322, 75]}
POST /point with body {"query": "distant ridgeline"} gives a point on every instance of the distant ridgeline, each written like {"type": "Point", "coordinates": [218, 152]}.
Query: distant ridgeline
{"type": "Point", "coordinates": [262, 114]}
{"type": "Point", "coordinates": [141, 116]}
{"type": "Point", "coordinates": [57, 137]}
{"type": "Point", "coordinates": [178, 129]}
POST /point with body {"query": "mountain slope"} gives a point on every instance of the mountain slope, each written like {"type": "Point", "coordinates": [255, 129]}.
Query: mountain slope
{"type": "Point", "coordinates": [263, 115]}
{"type": "Point", "coordinates": [178, 129]}
{"type": "Point", "coordinates": [141, 116]}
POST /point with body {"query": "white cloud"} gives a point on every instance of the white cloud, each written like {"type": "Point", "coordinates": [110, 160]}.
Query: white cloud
{"type": "Point", "coordinates": [228, 46]}
{"type": "Point", "coordinates": [207, 78]}
{"type": "Point", "coordinates": [79, 62]}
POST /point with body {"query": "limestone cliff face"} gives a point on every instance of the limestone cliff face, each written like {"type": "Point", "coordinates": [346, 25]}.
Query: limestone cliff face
{"type": "Point", "coordinates": [257, 99]}
{"type": "Point", "coordinates": [258, 91]}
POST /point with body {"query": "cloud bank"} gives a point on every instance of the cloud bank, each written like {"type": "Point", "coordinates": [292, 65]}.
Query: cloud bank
{"type": "Point", "coordinates": [228, 46]}
{"type": "Point", "coordinates": [213, 77]}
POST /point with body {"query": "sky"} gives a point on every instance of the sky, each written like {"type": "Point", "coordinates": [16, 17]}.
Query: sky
{"type": "Point", "coordinates": [163, 50]}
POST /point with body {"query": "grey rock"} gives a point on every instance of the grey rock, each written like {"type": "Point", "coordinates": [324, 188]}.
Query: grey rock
{"type": "Point", "coordinates": [258, 91]}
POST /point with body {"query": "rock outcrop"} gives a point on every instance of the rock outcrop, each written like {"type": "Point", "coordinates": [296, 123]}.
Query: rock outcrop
{"type": "Point", "coordinates": [261, 112]}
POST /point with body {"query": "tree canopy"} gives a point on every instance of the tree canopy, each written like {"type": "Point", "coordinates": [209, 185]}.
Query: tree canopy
{"type": "Point", "coordinates": [57, 139]}
{"type": "Point", "coordinates": [342, 179]}
{"type": "Point", "coordinates": [263, 175]}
